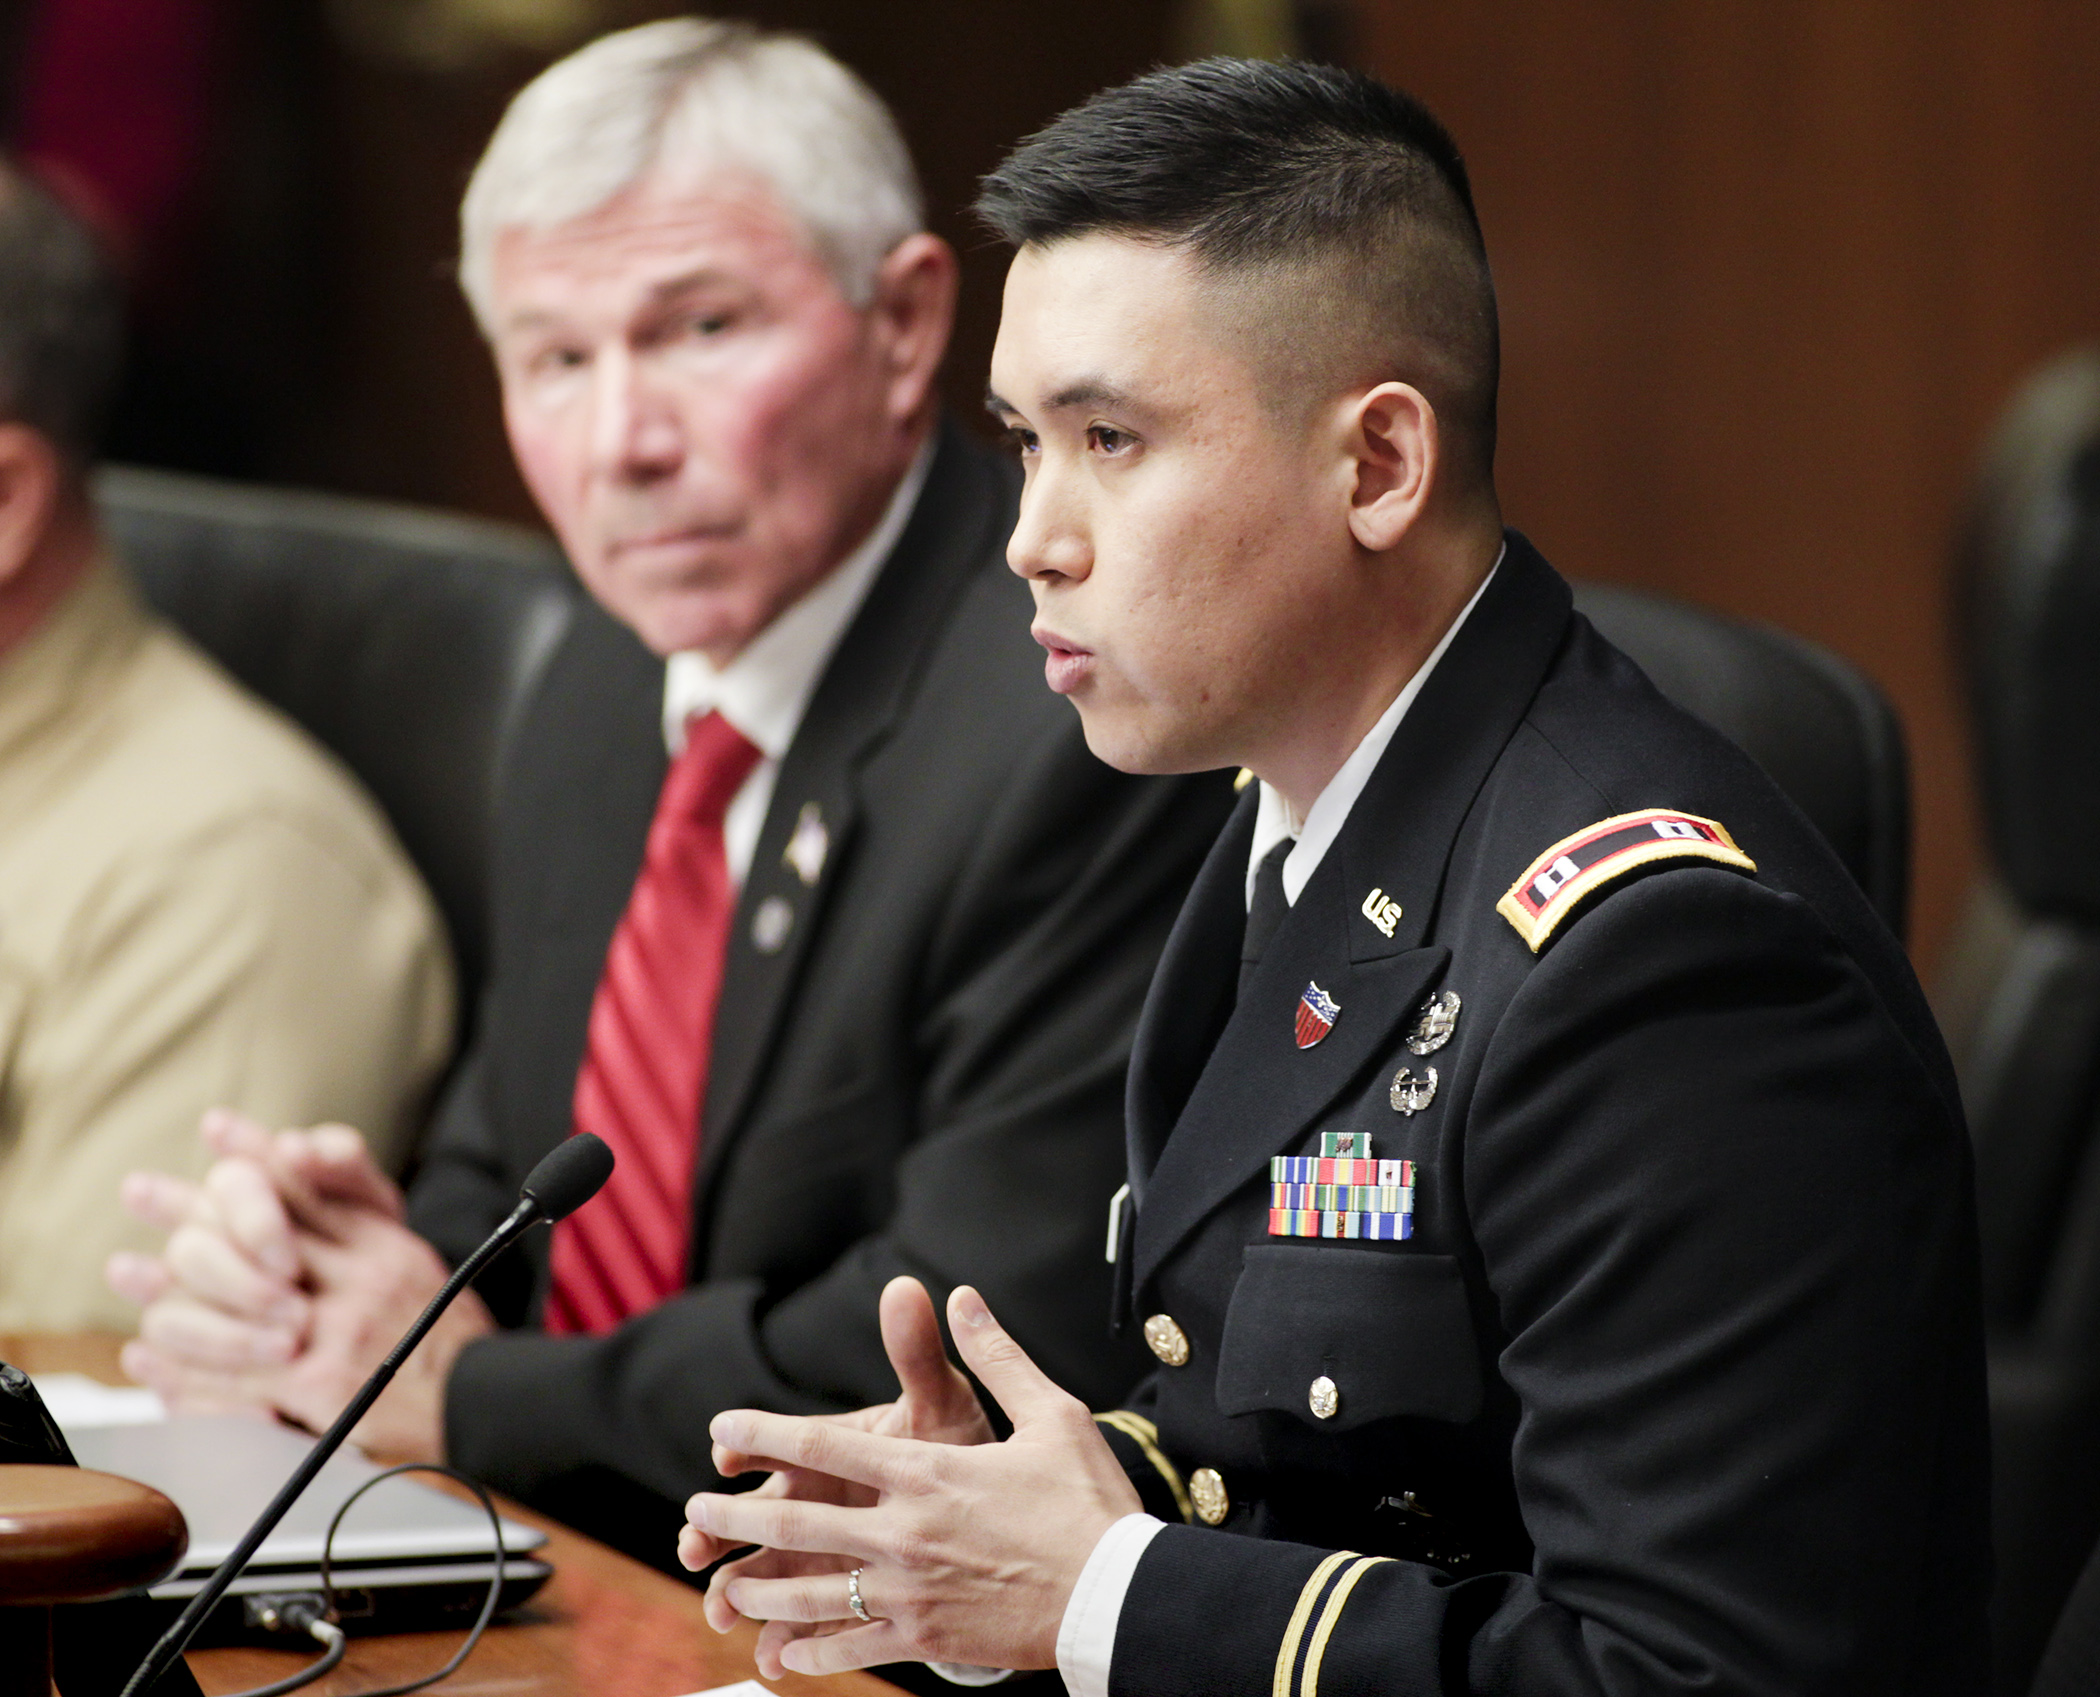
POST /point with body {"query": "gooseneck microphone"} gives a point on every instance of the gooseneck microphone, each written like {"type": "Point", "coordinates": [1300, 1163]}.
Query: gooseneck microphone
{"type": "Point", "coordinates": [569, 1177]}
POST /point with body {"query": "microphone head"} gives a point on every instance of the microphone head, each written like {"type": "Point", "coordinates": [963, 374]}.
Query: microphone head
{"type": "Point", "coordinates": [573, 1172]}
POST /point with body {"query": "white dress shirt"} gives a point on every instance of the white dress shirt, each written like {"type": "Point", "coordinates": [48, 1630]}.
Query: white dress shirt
{"type": "Point", "coordinates": [764, 691]}
{"type": "Point", "coordinates": [1086, 1637]}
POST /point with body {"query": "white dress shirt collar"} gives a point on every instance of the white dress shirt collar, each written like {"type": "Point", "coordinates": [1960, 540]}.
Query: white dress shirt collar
{"type": "Point", "coordinates": [764, 690]}
{"type": "Point", "coordinates": [1274, 819]}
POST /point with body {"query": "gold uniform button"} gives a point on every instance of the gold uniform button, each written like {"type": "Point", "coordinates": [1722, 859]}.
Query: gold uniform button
{"type": "Point", "coordinates": [1207, 1490]}
{"type": "Point", "coordinates": [1167, 1340]}
{"type": "Point", "coordinates": [1325, 1397]}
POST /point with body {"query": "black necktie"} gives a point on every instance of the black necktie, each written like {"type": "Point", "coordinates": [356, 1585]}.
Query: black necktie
{"type": "Point", "coordinates": [1267, 909]}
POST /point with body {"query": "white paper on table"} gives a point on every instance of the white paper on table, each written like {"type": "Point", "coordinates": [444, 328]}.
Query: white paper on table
{"type": "Point", "coordinates": [742, 1688]}
{"type": "Point", "coordinates": [77, 1402]}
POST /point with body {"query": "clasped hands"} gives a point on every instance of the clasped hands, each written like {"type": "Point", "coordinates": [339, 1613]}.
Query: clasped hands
{"type": "Point", "coordinates": [967, 1549]}
{"type": "Point", "coordinates": [288, 1274]}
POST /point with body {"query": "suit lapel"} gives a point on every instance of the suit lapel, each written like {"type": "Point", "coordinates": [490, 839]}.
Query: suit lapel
{"type": "Point", "coordinates": [780, 910]}
{"type": "Point", "coordinates": [1190, 997]}
{"type": "Point", "coordinates": [1258, 1092]}
{"type": "Point", "coordinates": [578, 794]}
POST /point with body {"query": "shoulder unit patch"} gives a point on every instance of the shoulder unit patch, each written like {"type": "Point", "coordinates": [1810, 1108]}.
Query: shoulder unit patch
{"type": "Point", "coordinates": [1554, 883]}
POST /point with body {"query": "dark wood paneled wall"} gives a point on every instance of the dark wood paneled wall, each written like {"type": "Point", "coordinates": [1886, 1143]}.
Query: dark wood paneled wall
{"type": "Point", "coordinates": [1767, 269]}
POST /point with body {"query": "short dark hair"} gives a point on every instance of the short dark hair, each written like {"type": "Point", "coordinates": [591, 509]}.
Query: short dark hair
{"type": "Point", "coordinates": [1255, 166]}
{"type": "Point", "coordinates": [61, 319]}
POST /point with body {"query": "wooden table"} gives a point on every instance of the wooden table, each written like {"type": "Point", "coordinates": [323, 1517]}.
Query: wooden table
{"type": "Point", "coordinates": [603, 1626]}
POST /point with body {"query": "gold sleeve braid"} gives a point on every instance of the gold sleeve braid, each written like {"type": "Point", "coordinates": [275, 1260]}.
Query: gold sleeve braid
{"type": "Point", "coordinates": [1287, 1652]}
{"type": "Point", "coordinates": [1145, 1435]}
{"type": "Point", "coordinates": [1309, 1684]}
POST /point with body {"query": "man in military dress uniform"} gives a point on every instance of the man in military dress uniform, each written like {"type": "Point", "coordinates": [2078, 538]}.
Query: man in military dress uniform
{"type": "Point", "coordinates": [1548, 1203]}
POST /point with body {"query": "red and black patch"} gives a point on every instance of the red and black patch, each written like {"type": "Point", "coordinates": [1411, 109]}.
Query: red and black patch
{"type": "Point", "coordinates": [1554, 883]}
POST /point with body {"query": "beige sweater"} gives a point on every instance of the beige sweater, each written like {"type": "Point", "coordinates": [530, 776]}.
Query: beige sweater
{"type": "Point", "coordinates": [198, 907]}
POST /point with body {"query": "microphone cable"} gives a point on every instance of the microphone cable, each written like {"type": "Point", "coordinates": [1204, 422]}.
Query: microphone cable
{"type": "Point", "coordinates": [566, 1178]}
{"type": "Point", "coordinates": [323, 1624]}
{"type": "Point", "coordinates": [298, 1612]}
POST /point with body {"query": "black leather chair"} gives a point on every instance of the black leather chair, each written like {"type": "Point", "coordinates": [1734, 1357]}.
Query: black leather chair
{"type": "Point", "coordinates": [1822, 732]}
{"type": "Point", "coordinates": [2071, 1664]}
{"type": "Point", "coordinates": [2029, 1051]}
{"type": "Point", "coordinates": [404, 640]}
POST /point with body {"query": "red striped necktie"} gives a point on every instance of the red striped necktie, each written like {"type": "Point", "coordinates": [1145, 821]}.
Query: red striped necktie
{"type": "Point", "coordinates": [645, 1057]}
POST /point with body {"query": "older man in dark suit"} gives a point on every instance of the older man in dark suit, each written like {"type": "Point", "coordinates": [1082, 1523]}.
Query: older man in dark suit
{"type": "Point", "coordinates": [810, 901]}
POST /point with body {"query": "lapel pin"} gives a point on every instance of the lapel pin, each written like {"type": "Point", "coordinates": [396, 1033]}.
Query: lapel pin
{"type": "Point", "coordinates": [1434, 1024]}
{"type": "Point", "coordinates": [1317, 1012]}
{"type": "Point", "coordinates": [1409, 1094]}
{"type": "Point", "coordinates": [771, 922]}
{"type": "Point", "coordinates": [807, 847]}
{"type": "Point", "coordinates": [1382, 911]}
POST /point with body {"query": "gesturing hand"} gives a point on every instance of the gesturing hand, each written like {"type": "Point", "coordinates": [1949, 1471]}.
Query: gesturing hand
{"type": "Point", "coordinates": [969, 1551]}
{"type": "Point", "coordinates": [935, 1403]}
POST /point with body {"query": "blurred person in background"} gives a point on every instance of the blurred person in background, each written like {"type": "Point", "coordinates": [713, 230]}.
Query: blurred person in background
{"type": "Point", "coordinates": [809, 898]}
{"type": "Point", "coordinates": [113, 105]}
{"type": "Point", "coordinates": [135, 113]}
{"type": "Point", "coordinates": [197, 906]}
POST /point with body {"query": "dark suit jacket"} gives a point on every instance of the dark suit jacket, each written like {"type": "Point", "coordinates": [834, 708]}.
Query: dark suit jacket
{"type": "Point", "coordinates": [926, 1078]}
{"type": "Point", "coordinates": [1677, 1385]}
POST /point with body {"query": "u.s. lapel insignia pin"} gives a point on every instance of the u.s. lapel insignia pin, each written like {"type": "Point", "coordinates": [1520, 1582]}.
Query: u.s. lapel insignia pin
{"type": "Point", "coordinates": [808, 845]}
{"type": "Point", "coordinates": [1382, 911]}
{"type": "Point", "coordinates": [1317, 1012]}
{"type": "Point", "coordinates": [1434, 1024]}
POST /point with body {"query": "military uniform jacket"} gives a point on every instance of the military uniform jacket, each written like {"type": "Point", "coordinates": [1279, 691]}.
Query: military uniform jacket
{"type": "Point", "coordinates": [1676, 1383]}
{"type": "Point", "coordinates": [924, 1075]}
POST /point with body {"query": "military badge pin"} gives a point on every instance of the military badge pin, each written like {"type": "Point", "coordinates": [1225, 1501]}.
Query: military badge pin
{"type": "Point", "coordinates": [1434, 1024]}
{"type": "Point", "coordinates": [1317, 1012]}
{"type": "Point", "coordinates": [1412, 1092]}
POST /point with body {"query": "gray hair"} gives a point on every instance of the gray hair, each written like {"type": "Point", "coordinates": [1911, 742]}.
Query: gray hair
{"type": "Point", "coordinates": [690, 94]}
{"type": "Point", "coordinates": [61, 320]}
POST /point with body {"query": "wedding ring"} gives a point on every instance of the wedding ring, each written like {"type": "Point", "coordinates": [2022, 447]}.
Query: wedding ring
{"type": "Point", "coordinates": [854, 1599]}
